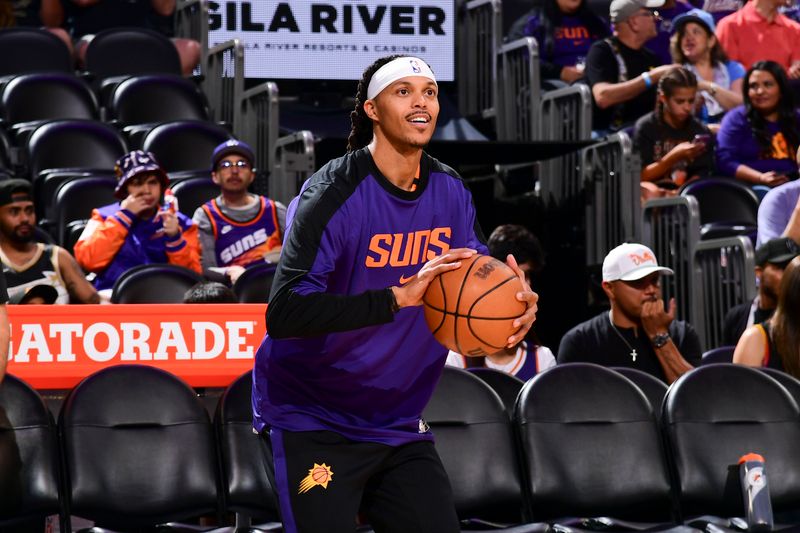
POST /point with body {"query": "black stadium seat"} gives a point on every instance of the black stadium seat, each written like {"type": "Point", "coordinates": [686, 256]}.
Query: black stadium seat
{"type": "Point", "coordinates": [721, 354]}
{"type": "Point", "coordinates": [194, 192]}
{"type": "Point", "coordinates": [29, 465]}
{"type": "Point", "coordinates": [34, 50]}
{"type": "Point", "coordinates": [74, 144]}
{"type": "Point", "coordinates": [715, 414]}
{"type": "Point", "coordinates": [185, 146]}
{"type": "Point", "coordinates": [652, 387]}
{"type": "Point", "coordinates": [139, 449]}
{"type": "Point", "coordinates": [151, 99]}
{"type": "Point", "coordinates": [131, 52]}
{"type": "Point", "coordinates": [255, 283]}
{"type": "Point", "coordinates": [727, 207]}
{"type": "Point", "coordinates": [154, 283]}
{"type": "Point", "coordinates": [33, 98]}
{"type": "Point", "coordinates": [592, 448]}
{"type": "Point", "coordinates": [790, 383]}
{"type": "Point", "coordinates": [75, 200]}
{"type": "Point", "coordinates": [504, 384]}
{"type": "Point", "coordinates": [245, 483]}
{"type": "Point", "coordinates": [474, 439]}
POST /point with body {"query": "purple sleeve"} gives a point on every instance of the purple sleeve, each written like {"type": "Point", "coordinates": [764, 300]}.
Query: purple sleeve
{"type": "Point", "coordinates": [775, 210]}
{"type": "Point", "coordinates": [735, 142]}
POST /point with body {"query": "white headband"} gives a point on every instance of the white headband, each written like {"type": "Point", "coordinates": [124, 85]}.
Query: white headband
{"type": "Point", "coordinates": [396, 69]}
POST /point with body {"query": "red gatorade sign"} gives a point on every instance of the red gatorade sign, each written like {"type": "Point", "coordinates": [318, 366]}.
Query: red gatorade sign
{"type": "Point", "coordinates": [208, 345]}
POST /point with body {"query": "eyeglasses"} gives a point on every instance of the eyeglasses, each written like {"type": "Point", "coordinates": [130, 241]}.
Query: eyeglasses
{"type": "Point", "coordinates": [228, 164]}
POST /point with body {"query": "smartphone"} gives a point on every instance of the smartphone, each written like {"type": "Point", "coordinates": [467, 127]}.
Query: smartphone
{"type": "Point", "coordinates": [703, 138]}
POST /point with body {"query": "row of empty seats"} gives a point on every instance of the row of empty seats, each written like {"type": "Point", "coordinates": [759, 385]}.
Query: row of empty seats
{"type": "Point", "coordinates": [584, 447]}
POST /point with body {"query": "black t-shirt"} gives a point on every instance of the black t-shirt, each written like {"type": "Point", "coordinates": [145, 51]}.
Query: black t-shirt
{"type": "Point", "coordinates": [595, 341]}
{"type": "Point", "coordinates": [736, 321]}
{"type": "Point", "coordinates": [602, 66]}
{"type": "Point", "coordinates": [3, 289]}
{"type": "Point", "coordinates": [653, 139]}
{"type": "Point", "coordinates": [107, 14]}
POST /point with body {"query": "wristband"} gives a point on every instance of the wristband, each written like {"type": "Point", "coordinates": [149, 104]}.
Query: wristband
{"type": "Point", "coordinates": [648, 82]}
{"type": "Point", "coordinates": [395, 307]}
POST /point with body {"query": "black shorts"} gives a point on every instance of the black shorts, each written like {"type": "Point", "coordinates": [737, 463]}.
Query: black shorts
{"type": "Point", "coordinates": [323, 480]}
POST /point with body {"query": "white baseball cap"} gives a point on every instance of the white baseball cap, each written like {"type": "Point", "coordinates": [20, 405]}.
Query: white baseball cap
{"type": "Point", "coordinates": [631, 261]}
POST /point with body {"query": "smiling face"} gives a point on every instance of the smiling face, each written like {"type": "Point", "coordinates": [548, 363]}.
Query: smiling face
{"type": "Point", "coordinates": [763, 92]}
{"type": "Point", "coordinates": [405, 112]}
{"type": "Point", "coordinates": [696, 43]}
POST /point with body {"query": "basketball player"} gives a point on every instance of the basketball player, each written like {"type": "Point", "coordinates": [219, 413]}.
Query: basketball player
{"type": "Point", "coordinates": [237, 228]}
{"type": "Point", "coordinates": [342, 378]}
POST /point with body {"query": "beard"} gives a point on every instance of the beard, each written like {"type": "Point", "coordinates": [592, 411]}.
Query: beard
{"type": "Point", "coordinates": [22, 238]}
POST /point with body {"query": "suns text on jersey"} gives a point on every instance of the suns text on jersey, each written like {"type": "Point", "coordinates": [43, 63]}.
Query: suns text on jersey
{"type": "Point", "coordinates": [404, 249]}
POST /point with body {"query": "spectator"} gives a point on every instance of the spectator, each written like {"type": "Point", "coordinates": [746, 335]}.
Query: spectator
{"type": "Point", "coordinates": [673, 144]}
{"type": "Point", "coordinates": [528, 357]}
{"type": "Point", "coordinates": [27, 263]}
{"type": "Point", "coordinates": [757, 32]}
{"type": "Point", "coordinates": [720, 9]}
{"type": "Point", "coordinates": [210, 292]}
{"type": "Point", "coordinates": [779, 212]}
{"type": "Point", "coordinates": [35, 295]}
{"type": "Point", "coordinates": [621, 72]}
{"type": "Point", "coordinates": [771, 260]}
{"type": "Point", "coordinates": [135, 231]}
{"type": "Point", "coordinates": [667, 13]}
{"type": "Point", "coordinates": [564, 31]}
{"type": "Point", "coordinates": [237, 228]}
{"type": "Point", "coordinates": [719, 79]}
{"type": "Point", "coordinates": [757, 141]}
{"type": "Point", "coordinates": [5, 330]}
{"type": "Point", "coordinates": [85, 18]}
{"type": "Point", "coordinates": [637, 332]}
{"type": "Point", "coordinates": [46, 14]}
{"type": "Point", "coordinates": [774, 342]}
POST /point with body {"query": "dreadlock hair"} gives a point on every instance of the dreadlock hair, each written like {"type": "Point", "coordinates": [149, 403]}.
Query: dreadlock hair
{"type": "Point", "coordinates": [675, 78]}
{"type": "Point", "coordinates": [361, 124]}
{"type": "Point", "coordinates": [787, 120]}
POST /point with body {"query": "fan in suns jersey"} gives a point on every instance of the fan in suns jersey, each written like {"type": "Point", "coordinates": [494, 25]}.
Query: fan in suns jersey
{"type": "Point", "coordinates": [237, 228]}
{"type": "Point", "coordinates": [349, 363]}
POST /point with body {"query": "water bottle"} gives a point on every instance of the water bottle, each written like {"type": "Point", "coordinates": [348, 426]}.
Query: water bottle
{"type": "Point", "coordinates": [755, 492]}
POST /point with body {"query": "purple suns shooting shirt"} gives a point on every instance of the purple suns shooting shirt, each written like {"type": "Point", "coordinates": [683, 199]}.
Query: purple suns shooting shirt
{"type": "Point", "coordinates": [336, 357]}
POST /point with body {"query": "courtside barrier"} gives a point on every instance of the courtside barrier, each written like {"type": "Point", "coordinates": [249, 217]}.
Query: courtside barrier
{"type": "Point", "coordinates": [208, 345]}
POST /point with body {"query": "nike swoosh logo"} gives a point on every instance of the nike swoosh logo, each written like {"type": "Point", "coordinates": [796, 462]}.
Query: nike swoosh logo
{"type": "Point", "coordinates": [406, 279]}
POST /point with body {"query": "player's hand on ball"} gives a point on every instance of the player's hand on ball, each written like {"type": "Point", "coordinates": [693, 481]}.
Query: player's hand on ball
{"type": "Point", "coordinates": [411, 293]}
{"type": "Point", "coordinates": [530, 299]}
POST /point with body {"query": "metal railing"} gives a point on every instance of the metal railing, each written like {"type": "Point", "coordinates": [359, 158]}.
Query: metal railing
{"type": "Point", "coordinates": [284, 162]}
{"type": "Point", "coordinates": [671, 228]}
{"type": "Point", "coordinates": [224, 81]}
{"type": "Point", "coordinates": [611, 178]}
{"type": "Point", "coordinates": [724, 273]}
{"type": "Point", "coordinates": [294, 163]}
{"type": "Point", "coordinates": [191, 22]}
{"type": "Point", "coordinates": [479, 38]}
{"type": "Point", "coordinates": [518, 98]}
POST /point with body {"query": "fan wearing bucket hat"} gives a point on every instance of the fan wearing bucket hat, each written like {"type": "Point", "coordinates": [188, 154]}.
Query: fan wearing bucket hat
{"type": "Point", "coordinates": [719, 79]}
{"type": "Point", "coordinates": [27, 263]}
{"type": "Point", "coordinates": [637, 331]}
{"type": "Point", "coordinates": [772, 259]}
{"type": "Point", "coordinates": [136, 230]}
{"type": "Point", "coordinates": [237, 228]}
{"type": "Point", "coordinates": [621, 72]}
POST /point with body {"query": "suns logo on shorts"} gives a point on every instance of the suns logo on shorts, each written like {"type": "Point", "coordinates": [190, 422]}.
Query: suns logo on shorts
{"type": "Point", "coordinates": [317, 475]}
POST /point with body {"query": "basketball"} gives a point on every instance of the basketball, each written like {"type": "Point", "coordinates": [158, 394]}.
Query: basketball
{"type": "Point", "coordinates": [471, 310]}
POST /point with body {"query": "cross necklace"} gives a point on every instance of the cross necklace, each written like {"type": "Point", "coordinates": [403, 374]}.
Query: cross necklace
{"type": "Point", "coordinates": [631, 348]}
